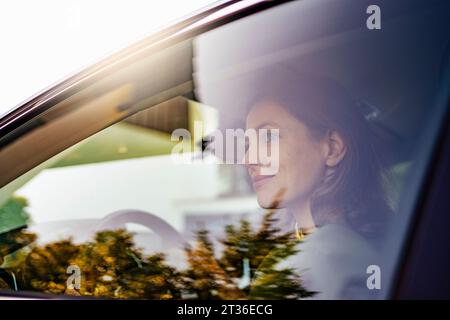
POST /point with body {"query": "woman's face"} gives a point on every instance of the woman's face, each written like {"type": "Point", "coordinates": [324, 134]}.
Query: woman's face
{"type": "Point", "coordinates": [301, 159]}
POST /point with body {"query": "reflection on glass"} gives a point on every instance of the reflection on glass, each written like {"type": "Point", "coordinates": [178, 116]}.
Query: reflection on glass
{"type": "Point", "coordinates": [112, 266]}
{"type": "Point", "coordinates": [351, 125]}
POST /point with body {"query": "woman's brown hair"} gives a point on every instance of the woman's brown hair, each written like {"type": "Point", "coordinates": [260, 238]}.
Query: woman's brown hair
{"type": "Point", "coordinates": [353, 190]}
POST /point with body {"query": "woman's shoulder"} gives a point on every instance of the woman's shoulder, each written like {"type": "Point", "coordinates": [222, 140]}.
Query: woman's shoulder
{"type": "Point", "coordinates": [333, 258]}
{"type": "Point", "coordinates": [340, 238]}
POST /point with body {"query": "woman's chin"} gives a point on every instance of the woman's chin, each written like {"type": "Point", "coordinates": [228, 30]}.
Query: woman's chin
{"type": "Point", "coordinates": [268, 204]}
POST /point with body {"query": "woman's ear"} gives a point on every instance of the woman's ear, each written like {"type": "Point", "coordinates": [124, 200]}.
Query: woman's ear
{"type": "Point", "coordinates": [336, 148]}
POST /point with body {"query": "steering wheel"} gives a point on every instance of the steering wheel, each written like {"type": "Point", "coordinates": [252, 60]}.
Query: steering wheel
{"type": "Point", "coordinates": [118, 220]}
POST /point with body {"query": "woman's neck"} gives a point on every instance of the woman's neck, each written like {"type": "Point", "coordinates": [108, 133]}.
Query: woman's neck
{"type": "Point", "coordinates": [301, 212]}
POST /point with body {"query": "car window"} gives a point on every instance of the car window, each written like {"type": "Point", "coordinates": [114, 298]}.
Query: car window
{"type": "Point", "coordinates": [289, 170]}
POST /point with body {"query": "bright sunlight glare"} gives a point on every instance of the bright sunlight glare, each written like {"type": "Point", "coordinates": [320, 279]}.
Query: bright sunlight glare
{"type": "Point", "coordinates": [44, 41]}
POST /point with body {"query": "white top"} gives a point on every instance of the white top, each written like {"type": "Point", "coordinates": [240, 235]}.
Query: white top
{"type": "Point", "coordinates": [333, 262]}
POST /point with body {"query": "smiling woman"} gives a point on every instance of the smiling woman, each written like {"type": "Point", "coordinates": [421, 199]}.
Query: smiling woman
{"type": "Point", "coordinates": [340, 106]}
{"type": "Point", "coordinates": [327, 130]}
{"type": "Point", "coordinates": [328, 152]}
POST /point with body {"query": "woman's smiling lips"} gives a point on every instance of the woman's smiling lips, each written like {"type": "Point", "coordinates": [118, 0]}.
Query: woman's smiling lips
{"type": "Point", "coordinates": [260, 180]}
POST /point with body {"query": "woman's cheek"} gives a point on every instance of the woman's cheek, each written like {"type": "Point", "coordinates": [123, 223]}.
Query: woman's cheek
{"type": "Point", "coordinates": [301, 173]}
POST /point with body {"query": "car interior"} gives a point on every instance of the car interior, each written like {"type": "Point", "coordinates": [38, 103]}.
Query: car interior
{"type": "Point", "coordinates": [131, 111]}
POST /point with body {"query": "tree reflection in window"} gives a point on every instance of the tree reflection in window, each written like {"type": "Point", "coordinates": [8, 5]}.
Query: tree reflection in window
{"type": "Point", "coordinates": [113, 267]}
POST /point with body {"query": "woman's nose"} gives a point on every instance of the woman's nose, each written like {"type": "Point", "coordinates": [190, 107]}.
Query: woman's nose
{"type": "Point", "coordinates": [251, 155]}
{"type": "Point", "coordinates": [249, 158]}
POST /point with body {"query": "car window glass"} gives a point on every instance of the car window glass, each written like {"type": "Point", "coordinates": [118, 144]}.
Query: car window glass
{"type": "Point", "coordinates": [290, 171]}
